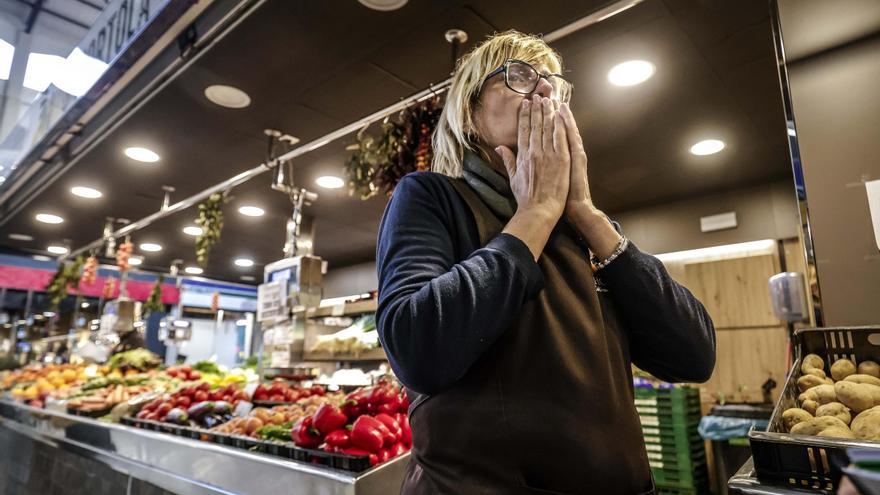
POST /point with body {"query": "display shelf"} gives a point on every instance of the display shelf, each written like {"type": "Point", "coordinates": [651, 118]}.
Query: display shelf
{"type": "Point", "coordinates": [345, 309]}
{"type": "Point", "coordinates": [183, 465]}
{"type": "Point", "coordinates": [377, 354]}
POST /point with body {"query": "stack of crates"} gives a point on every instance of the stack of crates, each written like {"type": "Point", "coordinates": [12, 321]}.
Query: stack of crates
{"type": "Point", "coordinates": [670, 417]}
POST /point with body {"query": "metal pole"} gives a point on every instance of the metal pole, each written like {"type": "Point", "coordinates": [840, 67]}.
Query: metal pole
{"type": "Point", "coordinates": [432, 90]}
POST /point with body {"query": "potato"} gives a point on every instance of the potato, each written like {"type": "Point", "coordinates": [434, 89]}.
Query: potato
{"type": "Point", "coordinates": [859, 378]}
{"type": "Point", "coordinates": [812, 361]}
{"type": "Point", "coordinates": [817, 372]}
{"type": "Point", "coordinates": [807, 382]}
{"type": "Point", "coordinates": [842, 368]}
{"type": "Point", "coordinates": [869, 368]}
{"type": "Point", "coordinates": [836, 432]}
{"type": "Point", "coordinates": [810, 406]}
{"type": "Point", "coordinates": [866, 425]}
{"type": "Point", "coordinates": [823, 394]}
{"type": "Point", "coordinates": [794, 416]}
{"type": "Point", "coordinates": [856, 396]}
{"type": "Point", "coordinates": [815, 425]}
{"type": "Point", "coordinates": [833, 409]}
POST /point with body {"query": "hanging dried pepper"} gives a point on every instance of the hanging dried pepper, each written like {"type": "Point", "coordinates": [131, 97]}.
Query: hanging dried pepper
{"type": "Point", "coordinates": [211, 221]}
{"type": "Point", "coordinates": [109, 289]}
{"type": "Point", "coordinates": [123, 254]}
{"type": "Point", "coordinates": [90, 271]}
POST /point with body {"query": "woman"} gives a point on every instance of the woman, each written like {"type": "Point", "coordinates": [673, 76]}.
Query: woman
{"type": "Point", "coordinates": [516, 354]}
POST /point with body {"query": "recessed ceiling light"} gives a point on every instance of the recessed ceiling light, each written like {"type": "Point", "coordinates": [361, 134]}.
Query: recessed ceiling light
{"type": "Point", "coordinates": [383, 5]}
{"type": "Point", "coordinates": [251, 211]}
{"type": "Point", "coordinates": [244, 262]}
{"type": "Point", "coordinates": [192, 230]}
{"type": "Point", "coordinates": [330, 182]}
{"type": "Point", "coordinates": [20, 237]}
{"type": "Point", "coordinates": [193, 270]}
{"type": "Point", "coordinates": [707, 147]}
{"type": "Point", "coordinates": [84, 305]}
{"type": "Point", "coordinates": [48, 314]}
{"type": "Point", "coordinates": [150, 247]}
{"type": "Point", "coordinates": [40, 257]}
{"type": "Point", "coordinates": [57, 249]}
{"type": "Point", "coordinates": [227, 96]}
{"type": "Point", "coordinates": [86, 192]}
{"type": "Point", "coordinates": [631, 72]}
{"type": "Point", "coordinates": [48, 218]}
{"type": "Point", "coordinates": [141, 154]}
{"type": "Point", "coordinates": [135, 260]}
{"type": "Point", "coordinates": [247, 278]}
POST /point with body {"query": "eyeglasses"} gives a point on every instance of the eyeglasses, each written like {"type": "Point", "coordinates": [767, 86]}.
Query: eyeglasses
{"type": "Point", "coordinates": [522, 78]}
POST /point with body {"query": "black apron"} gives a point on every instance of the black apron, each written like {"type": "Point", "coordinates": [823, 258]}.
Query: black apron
{"type": "Point", "coordinates": [549, 407]}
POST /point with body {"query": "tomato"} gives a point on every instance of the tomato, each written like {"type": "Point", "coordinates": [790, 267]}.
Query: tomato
{"type": "Point", "coordinates": [201, 395]}
{"type": "Point", "coordinates": [241, 395]}
{"type": "Point", "coordinates": [317, 390]}
{"type": "Point", "coordinates": [261, 395]}
{"type": "Point", "coordinates": [277, 398]}
{"type": "Point", "coordinates": [288, 394]}
{"type": "Point", "coordinates": [189, 391]}
{"type": "Point", "coordinates": [195, 375]}
{"type": "Point", "coordinates": [276, 389]}
{"type": "Point", "coordinates": [216, 395]}
{"type": "Point", "coordinates": [164, 408]}
{"type": "Point", "coordinates": [153, 405]}
{"type": "Point", "coordinates": [187, 369]}
{"type": "Point", "coordinates": [305, 394]}
{"type": "Point", "coordinates": [183, 402]}
{"type": "Point", "coordinates": [171, 372]}
{"type": "Point", "coordinates": [152, 416]}
{"type": "Point", "coordinates": [204, 386]}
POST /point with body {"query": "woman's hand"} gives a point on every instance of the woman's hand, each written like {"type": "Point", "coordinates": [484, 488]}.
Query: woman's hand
{"type": "Point", "coordinates": [540, 171]}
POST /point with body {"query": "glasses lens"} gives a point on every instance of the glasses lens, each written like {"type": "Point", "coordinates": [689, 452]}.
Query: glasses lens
{"type": "Point", "coordinates": [521, 77]}
{"type": "Point", "coordinates": [561, 88]}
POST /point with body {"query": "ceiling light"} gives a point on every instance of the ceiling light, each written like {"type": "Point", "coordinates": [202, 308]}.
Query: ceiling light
{"type": "Point", "coordinates": [78, 73]}
{"type": "Point", "coordinates": [330, 182]}
{"type": "Point", "coordinates": [40, 257]}
{"type": "Point", "coordinates": [150, 247]}
{"type": "Point", "coordinates": [193, 270]}
{"type": "Point", "coordinates": [251, 211]}
{"type": "Point", "coordinates": [247, 278]}
{"type": "Point", "coordinates": [40, 70]}
{"type": "Point", "coordinates": [631, 73]}
{"type": "Point", "coordinates": [707, 147]}
{"type": "Point", "coordinates": [136, 260]}
{"type": "Point", "coordinates": [84, 305]}
{"type": "Point", "coordinates": [192, 230]}
{"type": "Point", "coordinates": [227, 96]}
{"type": "Point", "coordinates": [48, 314]}
{"type": "Point", "coordinates": [86, 192]}
{"type": "Point", "coordinates": [244, 262]}
{"type": "Point", "coordinates": [7, 53]}
{"type": "Point", "coordinates": [141, 154]}
{"type": "Point", "coordinates": [383, 5]}
{"type": "Point", "coordinates": [20, 237]}
{"type": "Point", "coordinates": [48, 218]}
{"type": "Point", "coordinates": [57, 249]}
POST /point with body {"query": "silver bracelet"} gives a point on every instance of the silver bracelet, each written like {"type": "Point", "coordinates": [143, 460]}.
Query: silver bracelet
{"type": "Point", "coordinates": [621, 247]}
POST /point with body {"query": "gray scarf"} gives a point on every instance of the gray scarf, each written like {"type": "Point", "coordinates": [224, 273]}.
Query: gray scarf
{"type": "Point", "coordinates": [492, 187]}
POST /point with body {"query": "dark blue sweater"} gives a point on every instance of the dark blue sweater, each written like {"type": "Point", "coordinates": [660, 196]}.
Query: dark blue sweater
{"type": "Point", "coordinates": [444, 299]}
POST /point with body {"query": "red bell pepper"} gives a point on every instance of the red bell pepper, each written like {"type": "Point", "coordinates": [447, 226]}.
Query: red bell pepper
{"type": "Point", "coordinates": [405, 429]}
{"type": "Point", "coordinates": [392, 406]}
{"type": "Point", "coordinates": [317, 390]}
{"type": "Point", "coordinates": [369, 434]}
{"type": "Point", "coordinates": [355, 404]}
{"type": "Point", "coordinates": [384, 455]}
{"type": "Point", "coordinates": [391, 424]}
{"type": "Point", "coordinates": [338, 438]}
{"type": "Point", "coordinates": [305, 435]}
{"type": "Point", "coordinates": [329, 418]}
{"type": "Point", "coordinates": [397, 449]}
{"type": "Point", "coordinates": [404, 402]}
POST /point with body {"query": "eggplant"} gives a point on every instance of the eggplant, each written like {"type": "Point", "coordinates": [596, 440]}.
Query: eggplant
{"type": "Point", "coordinates": [200, 409]}
{"type": "Point", "coordinates": [222, 407]}
{"type": "Point", "coordinates": [209, 421]}
{"type": "Point", "coordinates": [177, 416]}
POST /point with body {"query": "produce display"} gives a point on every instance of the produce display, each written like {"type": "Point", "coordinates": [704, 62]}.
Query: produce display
{"type": "Point", "coordinates": [844, 405]}
{"type": "Point", "coordinates": [34, 383]}
{"type": "Point", "coordinates": [106, 397]}
{"type": "Point", "coordinates": [280, 391]}
{"type": "Point", "coordinates": [195, 406]}
{"type": "Point", "coordinates": [275, 423]}
{"type": "Point", "coordinates": [135, 359]}
{"type": "Point", "coordinates": [359, 337]}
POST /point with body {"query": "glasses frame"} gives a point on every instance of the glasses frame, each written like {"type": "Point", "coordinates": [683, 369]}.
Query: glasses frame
{"type": "Point", "coordinates": [506, 65]}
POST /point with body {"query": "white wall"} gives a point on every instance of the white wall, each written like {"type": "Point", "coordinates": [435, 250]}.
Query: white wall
{"type": "Point", "coordinates": [354, 279]}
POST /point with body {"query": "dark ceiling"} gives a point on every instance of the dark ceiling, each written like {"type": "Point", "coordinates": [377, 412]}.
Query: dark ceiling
{"type": "Point", "coordinates": [312, 67]}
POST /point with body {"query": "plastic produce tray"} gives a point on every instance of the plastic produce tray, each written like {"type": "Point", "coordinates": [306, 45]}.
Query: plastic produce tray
{"type": "Point", "coordinates": [286, 450]}
{"type": "Point", "coordinates": [804, 461]}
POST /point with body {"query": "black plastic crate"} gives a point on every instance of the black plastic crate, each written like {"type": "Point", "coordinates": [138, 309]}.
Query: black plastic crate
{"type": "Point", "coordinates": [804, 461]}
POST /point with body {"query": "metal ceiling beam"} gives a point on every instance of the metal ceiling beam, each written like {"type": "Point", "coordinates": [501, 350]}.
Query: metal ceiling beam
{"type": "Point", "coordinates": [32, 16]}
{"type": "Point", "coordinates": [52, 13]}
{"type": "Point", "coordinates": [90, 4]}
{"type": "Point", "coordinates": [432, 90]}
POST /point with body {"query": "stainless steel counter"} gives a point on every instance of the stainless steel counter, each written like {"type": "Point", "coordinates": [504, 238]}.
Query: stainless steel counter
{"type": "Point", "coordinates": [178, 465]}
{"type": "Point", "coordinates": [745, 482]}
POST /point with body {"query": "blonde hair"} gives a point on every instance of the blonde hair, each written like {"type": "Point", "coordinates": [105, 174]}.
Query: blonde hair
{"type": "Point", "coordinates": [456, 130]}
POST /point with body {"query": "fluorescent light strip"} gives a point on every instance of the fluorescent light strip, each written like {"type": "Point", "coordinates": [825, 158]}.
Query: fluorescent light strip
{"type": "Point", "coordinates": [727, 251]}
